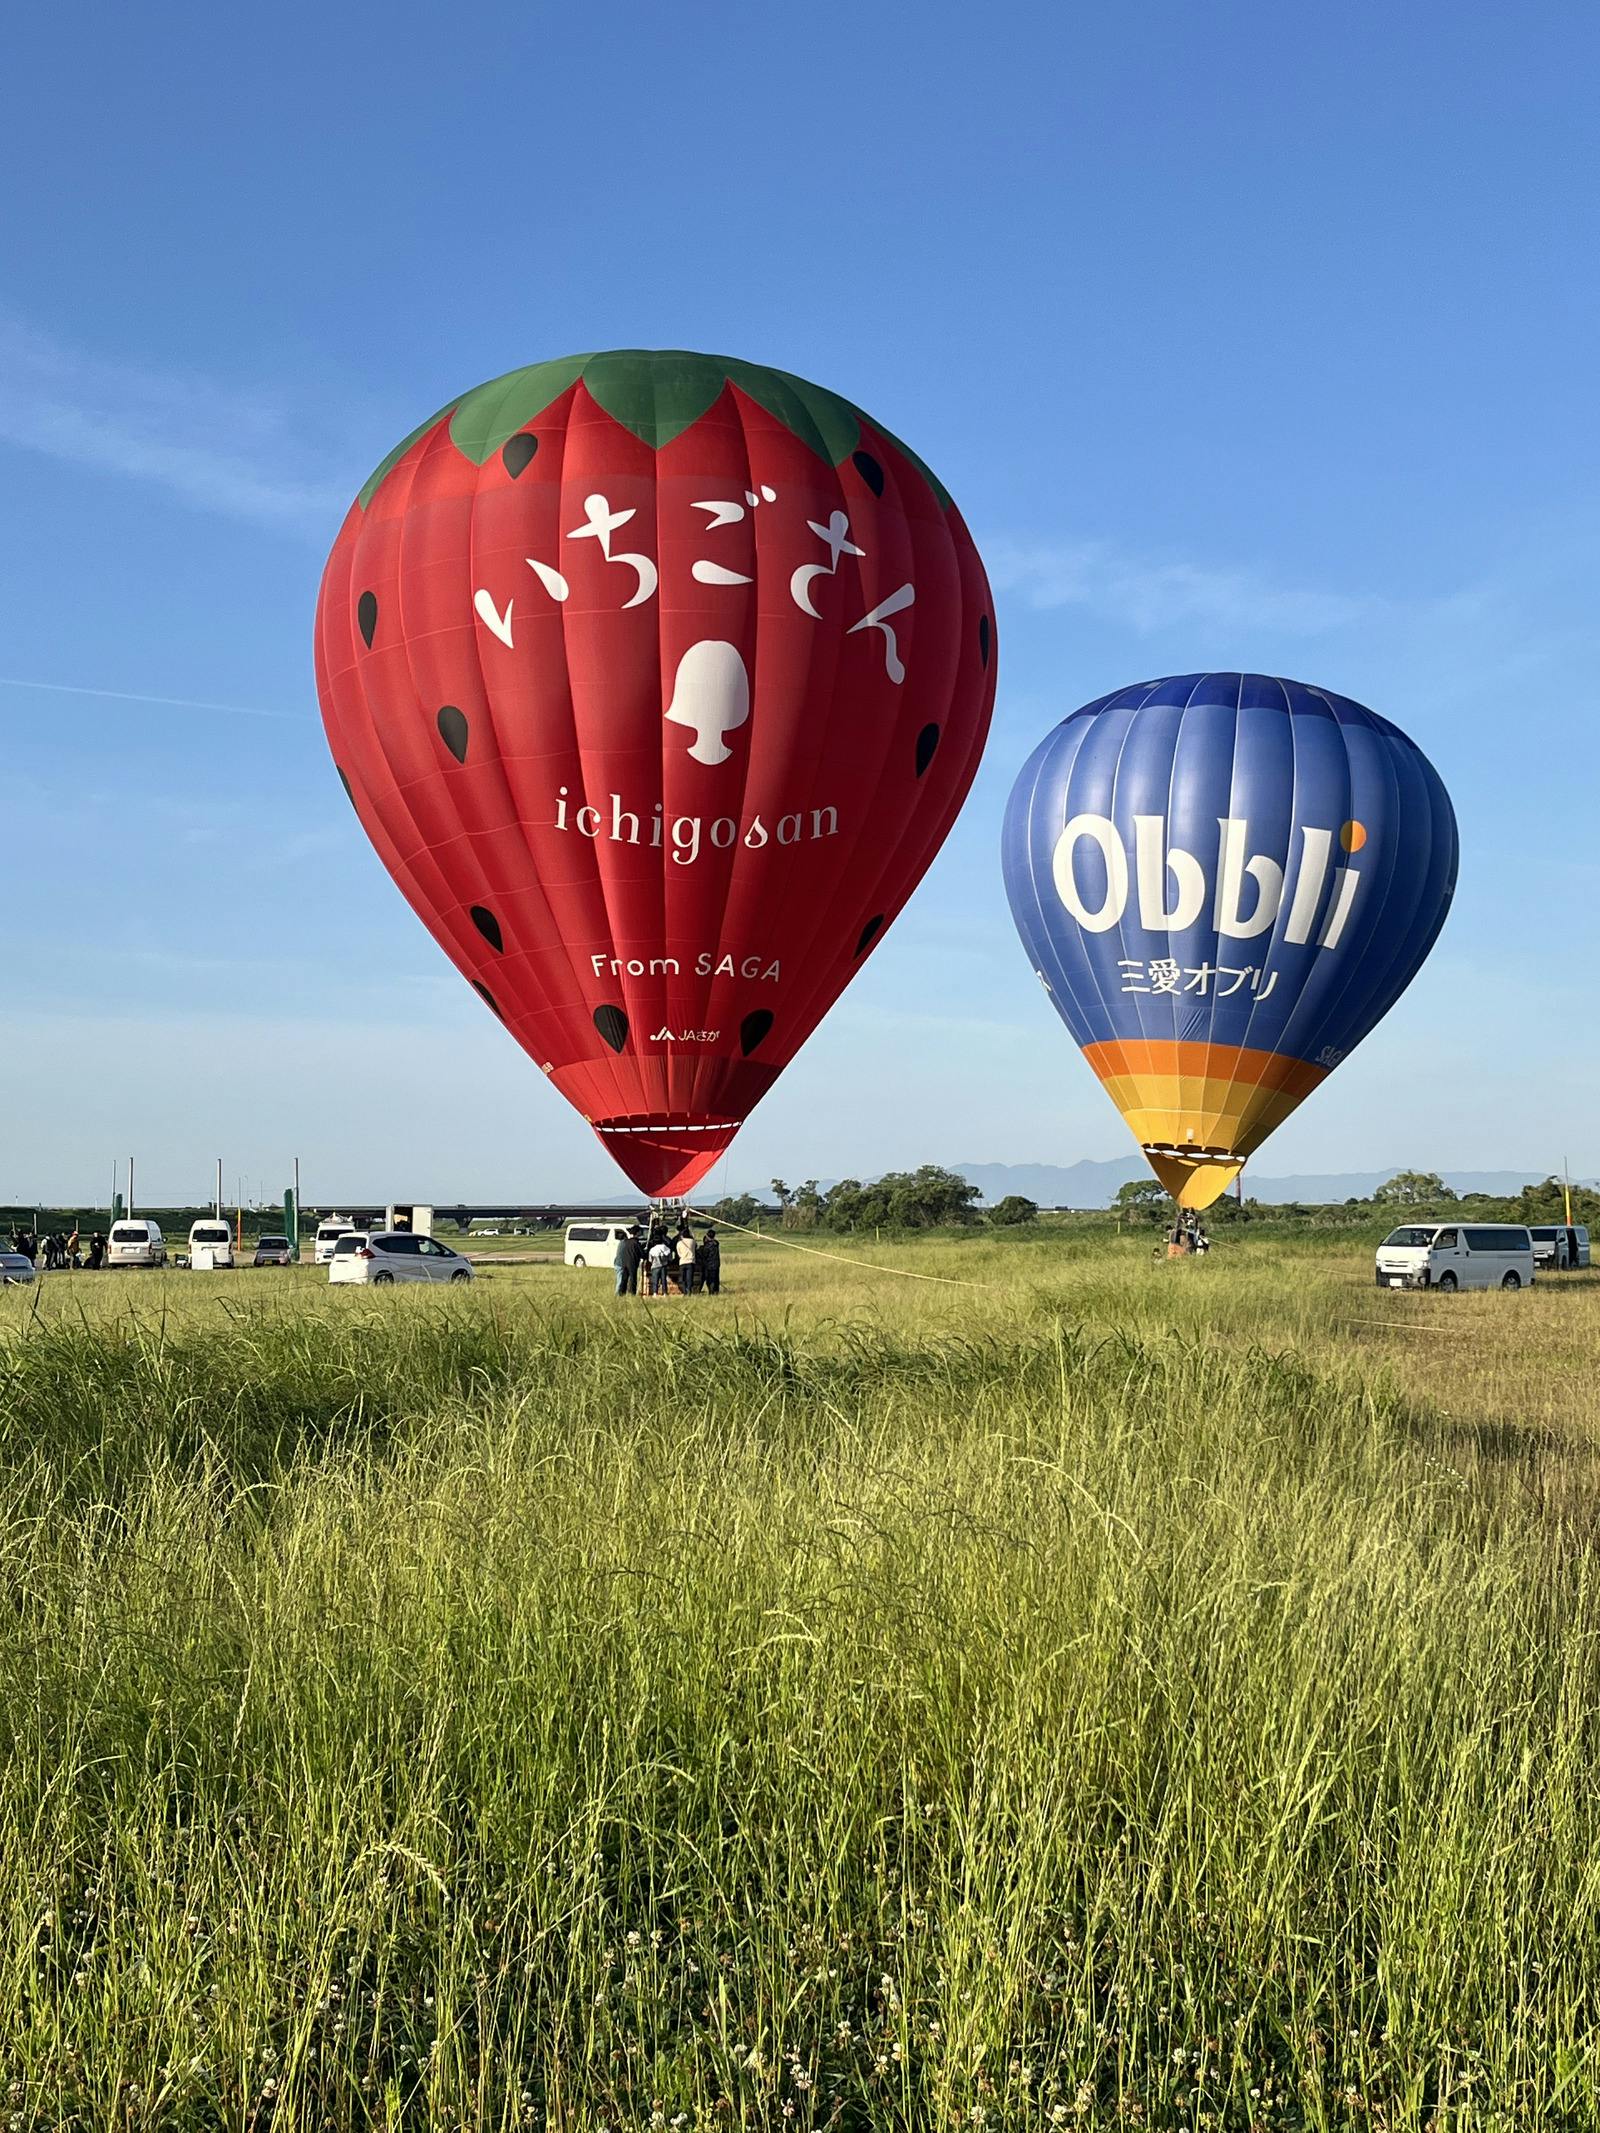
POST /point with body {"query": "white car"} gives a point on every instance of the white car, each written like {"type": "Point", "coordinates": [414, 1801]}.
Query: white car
{"type": "Point", "coordinates": [594, 1243]}
{"type": "Point", "coordinates": [16, 1270]}
{"type": "Point", "coordinates": [133, 1242]}
{"type": "Point", "coordinates": [395, 1255]}
{"type": "Point", "coordinates": [328, 1235]}
{"type": "Point", "coordinates": [210, 1245]}
{"type": "Point", "coordinates": [1456, 1255]}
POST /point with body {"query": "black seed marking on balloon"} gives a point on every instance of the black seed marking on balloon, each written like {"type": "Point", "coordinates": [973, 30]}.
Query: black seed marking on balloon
{"type": "Point", "coordinates": [612, 1024]}
{"type": "Point", "coordinates": [453, 731]}
{"type": "Point", "coordinates": [927, 742]}
{"type": "Point", "coordinates": [487, 997]}
{"type": "Point", "coordinates": [869, 470]}
{"type": "Point", "coordinates": [983, 638]}
{"type": "Point", "coordinates": [345, 782]}
{"type": "Point", "coordinates": [367, 616]}
{"type": "Point", "coordinates": [753, 1028]}
{"type": "Point", "coordinates": [517, 451]}
{"type": "Point", "coordinates": [869, 933]}
{"type": "Point", "coordinates": [489, 926]}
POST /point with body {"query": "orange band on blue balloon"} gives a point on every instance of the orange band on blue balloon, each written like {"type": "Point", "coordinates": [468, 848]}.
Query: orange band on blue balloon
{"type": "Point", "coordinates": [1221, 1098]}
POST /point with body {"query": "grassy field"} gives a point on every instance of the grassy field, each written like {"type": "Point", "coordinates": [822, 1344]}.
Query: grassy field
{"type": "Point", "coordinates": [1072, 1692]}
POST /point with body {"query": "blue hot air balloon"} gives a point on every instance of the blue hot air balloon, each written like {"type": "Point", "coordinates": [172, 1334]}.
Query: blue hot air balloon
{"type": "Point", "coordinates": [1224, 882]}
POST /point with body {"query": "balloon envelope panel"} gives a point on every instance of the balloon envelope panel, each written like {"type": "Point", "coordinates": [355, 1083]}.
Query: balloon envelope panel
{"type": "Point", "coordinates": [657, 680]}
{"type": "Point", "coordinates": [1224, 882]}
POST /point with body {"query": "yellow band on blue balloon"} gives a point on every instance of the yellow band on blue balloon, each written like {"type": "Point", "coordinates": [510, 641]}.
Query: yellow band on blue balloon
{"type": "Point", "coordinates": [1203, 1107]}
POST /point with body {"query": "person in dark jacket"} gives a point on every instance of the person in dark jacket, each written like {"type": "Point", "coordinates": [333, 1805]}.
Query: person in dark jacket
{"type": "Point", "coordinates": [708, 1263]}
{"type": "Point", "coordinates": [626, 1263]}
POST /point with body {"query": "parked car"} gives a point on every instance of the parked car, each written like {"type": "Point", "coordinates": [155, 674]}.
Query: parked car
{"type": "Point", "coordinates": [328, 1235]}
{"type": "Point", "coordinates": [1577, 1245]}
{"type": "Point", "coordinates": [396, 1255]}
{"type": "Point", "coordinates": [1551, 1252]}
{"type": "Point", "coordinates": [16, 1270]}
{"type": "Point", "coordinates": [594, 1243]}
{"type": "Point", "coordinates": [133, 1242]}
{"type": "Point", "coordinates": [273, 1251]}
{"type": "Point", "coordinates": [1456, 1255]}
{"type": "Point", "coordinates": [210, 1245]}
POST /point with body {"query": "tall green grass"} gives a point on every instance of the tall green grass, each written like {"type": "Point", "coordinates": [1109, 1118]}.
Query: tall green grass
{"type": "Point", "coordinates": [1010, 1710]}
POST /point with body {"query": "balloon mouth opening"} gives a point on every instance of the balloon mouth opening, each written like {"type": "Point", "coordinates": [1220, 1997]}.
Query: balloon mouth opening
{"type": "Point", "coordinates": [1194, 1176]}
{"type": "Point", "coordinates": [665, 1157]}
{"type": "Point", "coordinates": [672, 1126]}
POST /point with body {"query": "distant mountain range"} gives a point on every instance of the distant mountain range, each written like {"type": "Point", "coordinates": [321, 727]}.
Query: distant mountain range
{"type": "Point", "coordinates": [1095, 1184]}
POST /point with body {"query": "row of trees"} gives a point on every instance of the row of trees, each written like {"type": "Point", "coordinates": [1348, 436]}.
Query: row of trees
{"type": "Point", "coordinates": [934, 1198]}
{"type": "Point", "coordinates": [1544, 1202]}
{"type": "Point", "coordinates": [929, 1198]}
{"type": "Point", "coordinates": [1419, 1192]}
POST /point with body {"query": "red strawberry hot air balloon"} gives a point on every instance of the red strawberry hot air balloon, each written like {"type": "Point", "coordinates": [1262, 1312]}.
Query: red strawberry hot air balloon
{"type": "Point", "coordinates": [657, 681]}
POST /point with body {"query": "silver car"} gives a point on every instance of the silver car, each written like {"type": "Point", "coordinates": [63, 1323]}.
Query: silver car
{"type": "Point", "coordinates": [387, 1255]}
{"type": "Point", "coordinates": [16, 1270]}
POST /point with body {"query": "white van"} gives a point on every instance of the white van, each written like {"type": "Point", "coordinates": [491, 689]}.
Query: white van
{"type": "Point", "coordinates": [1456, 1255]}
{"type": "Point", "coordinates": [135, 1242]}
{"type": "Point", "coordinates": [210, 1245]}
{"type": "Point", "coordinates": [594, 1242]}
{"type": "Point", "coordinates": [328, 1235]}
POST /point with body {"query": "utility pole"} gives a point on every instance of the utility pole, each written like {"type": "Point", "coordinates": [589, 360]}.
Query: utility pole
{"type": "Point", "coordinates": [219, 1188]}
{"type": "Point", "coordinates": [130, 1185]}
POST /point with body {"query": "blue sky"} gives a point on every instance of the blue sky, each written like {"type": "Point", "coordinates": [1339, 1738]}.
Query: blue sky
{"type": "Point", "coordinates": [1243, 336]}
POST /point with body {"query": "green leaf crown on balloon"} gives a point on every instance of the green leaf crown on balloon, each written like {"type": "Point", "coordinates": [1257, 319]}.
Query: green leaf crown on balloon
{"type": "Point", "coordinates": [655, 393]}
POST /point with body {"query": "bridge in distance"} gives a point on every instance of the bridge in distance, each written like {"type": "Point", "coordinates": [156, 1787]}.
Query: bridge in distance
{"type": "Point", "coordinates": [547, 1215]}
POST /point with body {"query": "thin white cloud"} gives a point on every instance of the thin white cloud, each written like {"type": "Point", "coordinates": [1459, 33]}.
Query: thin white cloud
{"type": "Point", "coordinates": [127, 696]}
{"type": "Point", "coordinates": [1148, 595]}
{"type": "Point", "coordinates": [228, 451]}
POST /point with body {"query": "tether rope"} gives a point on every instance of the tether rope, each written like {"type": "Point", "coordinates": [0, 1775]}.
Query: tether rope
{"type": "Point", "coordinates": [874, 1266]}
